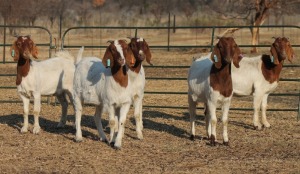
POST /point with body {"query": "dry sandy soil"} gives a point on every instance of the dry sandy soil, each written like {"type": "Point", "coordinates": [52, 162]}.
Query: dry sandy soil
{"type": "Point", "coordinates": [166, 147]}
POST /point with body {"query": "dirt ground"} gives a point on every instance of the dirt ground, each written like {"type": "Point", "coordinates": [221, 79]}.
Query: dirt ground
{"type": "Point", "coordinates": [166, 147]}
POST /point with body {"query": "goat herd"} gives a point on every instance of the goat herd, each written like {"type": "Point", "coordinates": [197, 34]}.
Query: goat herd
{"type": "Point", "coordinates": [117, 81]}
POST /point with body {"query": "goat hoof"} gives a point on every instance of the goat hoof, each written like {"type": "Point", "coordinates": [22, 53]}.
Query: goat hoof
{"type": "Point", "coordinates": [257, 128]}
{"type": "Point", "coordinates": [112, 144]}
{"type": "Point", "coordinates": [226, 143]}
{"type": "Point", "coordinates": [78, 140]}
{"type": "Point", "coordinates": [117, 147]}
{"type": "Point", "coordinates": [192, 137]}
{"type": "Point", "coordinates": [212, 140]}
{"type": "Point", "coordinates": [104, 140]}
{"type": "Point", "coordinates": [24, 130]}
{"type": "Point", "coordinates": [36, 130]}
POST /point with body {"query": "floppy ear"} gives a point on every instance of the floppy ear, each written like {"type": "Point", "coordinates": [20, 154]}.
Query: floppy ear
{"type": "Point", "coordinates": [14, 51]}
{"type": "Point", "coordinates": [274, 58]}
{"type": "Point", "coordinates": [290, 53]}
{"type": "Point", "coordinates": [34, 51]}
{"type": "Point", "coordinates": [107, 59]}
{"type": "Point", "coordinates": [237, 57]}
{"type": "Point", "coordinates": [216, 57]}
{"type": "Point", "coordinates": [148, 53]}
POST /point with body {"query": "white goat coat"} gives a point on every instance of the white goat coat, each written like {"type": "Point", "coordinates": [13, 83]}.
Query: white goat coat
{"type": "Point", "coordinates": [248, 80]}
{"type": "Point", "coordinates": [138, 82]}
{"type": "Point", "coordinates": [199, 81]}
{"type": "Point", "coordinates": [48, 77]}
{"type": "Point", "coordinates": [249, 77]}
{"type": "Point", "coordinates": [53, 76]}
{"type": "Point", "coordinates": [200, 90]}
{"type": "Point", "coordinates": [95, 84]}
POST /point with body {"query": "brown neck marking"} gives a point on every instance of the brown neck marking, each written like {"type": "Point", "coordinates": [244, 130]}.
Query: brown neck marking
{"type": "Point", "coordinates": [220, 79]}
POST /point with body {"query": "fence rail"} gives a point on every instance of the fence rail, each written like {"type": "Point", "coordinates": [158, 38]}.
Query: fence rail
{"type": "Point", "coordinates": [167, 46]}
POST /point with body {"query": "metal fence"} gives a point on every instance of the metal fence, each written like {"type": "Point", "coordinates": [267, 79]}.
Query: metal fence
{"type": "Point", "coordinates": [167, 44]}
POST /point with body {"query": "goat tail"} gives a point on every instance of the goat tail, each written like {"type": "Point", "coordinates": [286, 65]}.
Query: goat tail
{"type": "Point", "coordinates": [79, 55]}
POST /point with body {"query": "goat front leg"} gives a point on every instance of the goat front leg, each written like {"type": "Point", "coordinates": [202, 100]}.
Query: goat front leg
{"type": "Point", "coordinates": [36, 113]}
{"type": "Point", "coordinates": [192, 111]}
{"type": "Point", "coordinates": [138, 107]}
{"type": "Point", "coordinates": [264, 110]}
{"type": "Point", "coordinates": [26, 102]}
{"type": "Point", "coordinates": [122, 119]}
{"type": "Point", "coordinates": [211, 109]}
{"type": "Point", "coordinates": [225, 110]}
{"type": "Point", "coordinates": [113, 124]}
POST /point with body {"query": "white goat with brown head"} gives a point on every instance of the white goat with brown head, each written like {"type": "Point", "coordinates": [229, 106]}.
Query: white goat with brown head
{"type": "Point", "coordinates": [210, 82]}
{"type": "Point", "coordinates": [141, 51]}
{"type": "Point", "coordinates": [49, 77]}
{"type": "Point", "coordinates": [259, 76]}
{"type": "Point", "coordinates": [106, 84]}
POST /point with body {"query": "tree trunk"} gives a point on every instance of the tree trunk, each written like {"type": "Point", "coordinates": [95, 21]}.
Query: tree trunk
{"type": "Point", "coordinates": [262, 12]}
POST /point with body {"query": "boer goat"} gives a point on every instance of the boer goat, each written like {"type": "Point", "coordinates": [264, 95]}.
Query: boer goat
{"type": "Point", "coordinates": [49, 77]}
{"type": "Point", "coordinates": [136, 74]}
{"type": "Point", "coordinates": [260, 76]}
{"type": "Point", "coordinates": [209, 81]}
{"type": "Point", "coordinates": [106, 84]}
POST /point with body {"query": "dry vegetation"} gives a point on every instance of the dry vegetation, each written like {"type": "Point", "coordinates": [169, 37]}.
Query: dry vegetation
{"type": "Point", "coordinates": [166, 147]}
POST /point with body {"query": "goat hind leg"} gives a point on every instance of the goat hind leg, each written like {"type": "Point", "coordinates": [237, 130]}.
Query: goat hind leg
{"type": "Point", "coordinates": [256, 104]}
{"type": "Point", "coordinates": [192, 112]}
{"type": "Point", "coordinates": [263, 110]}
{"type": "Point", "coordinates": [64, 109]}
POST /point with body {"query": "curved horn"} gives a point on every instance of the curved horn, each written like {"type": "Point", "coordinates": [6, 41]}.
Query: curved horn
{"type": "Point", "coordinates": [16, 35]}
{"type": "Point", "coordinates": [110, 41]}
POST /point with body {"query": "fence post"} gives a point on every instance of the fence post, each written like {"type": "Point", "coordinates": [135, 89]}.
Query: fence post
{"type": "Point", "coordinates": [169, 26]}
{"type": "Point", "coordinates": [212, 39]}
{"type": "Point", "coordinates": [4, 40]}
{"type": "Point", "coordinates": [299, 108]}
{"type": "Point", "coordinates": [174, 24]}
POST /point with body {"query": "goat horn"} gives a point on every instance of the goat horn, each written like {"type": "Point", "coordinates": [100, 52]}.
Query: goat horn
{"type": "Point", "coordinates": [16, 35]}
{"type": "Point", "coordinates": [28, 36]}
{"type": "Point", "coordinates": [110, 41]}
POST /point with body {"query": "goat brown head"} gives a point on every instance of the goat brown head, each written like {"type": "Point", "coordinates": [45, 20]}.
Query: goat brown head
{"type": "Point", "coordinates": [115, 54]}
{"type": "Point", "coordinates": [23, 47]}
{"type": "Point", "coordinates": [281, 49]}
{"type": "Point", "coordinates": [225, 51]}
{"type": "Point", "coordinates": [140, 49]}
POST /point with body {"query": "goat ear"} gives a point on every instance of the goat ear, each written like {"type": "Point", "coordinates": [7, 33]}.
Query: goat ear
{"type": "Point", "coordinates": [107, 58]}
{"type": "Point", "coordinates": [237, 57]}
{"type": "Point", "coordinates": [15, 51]}
{"type": "Point", "coordinates": [274, 58]}
{"type": "Point", "coordinates": [216, 57]}
{"type": "Point", "coordinates": [35, 51]}
{"type": "Point", "coordinates": [290, 53]}
{"type": "Point", "coordinates": [148, 54]}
